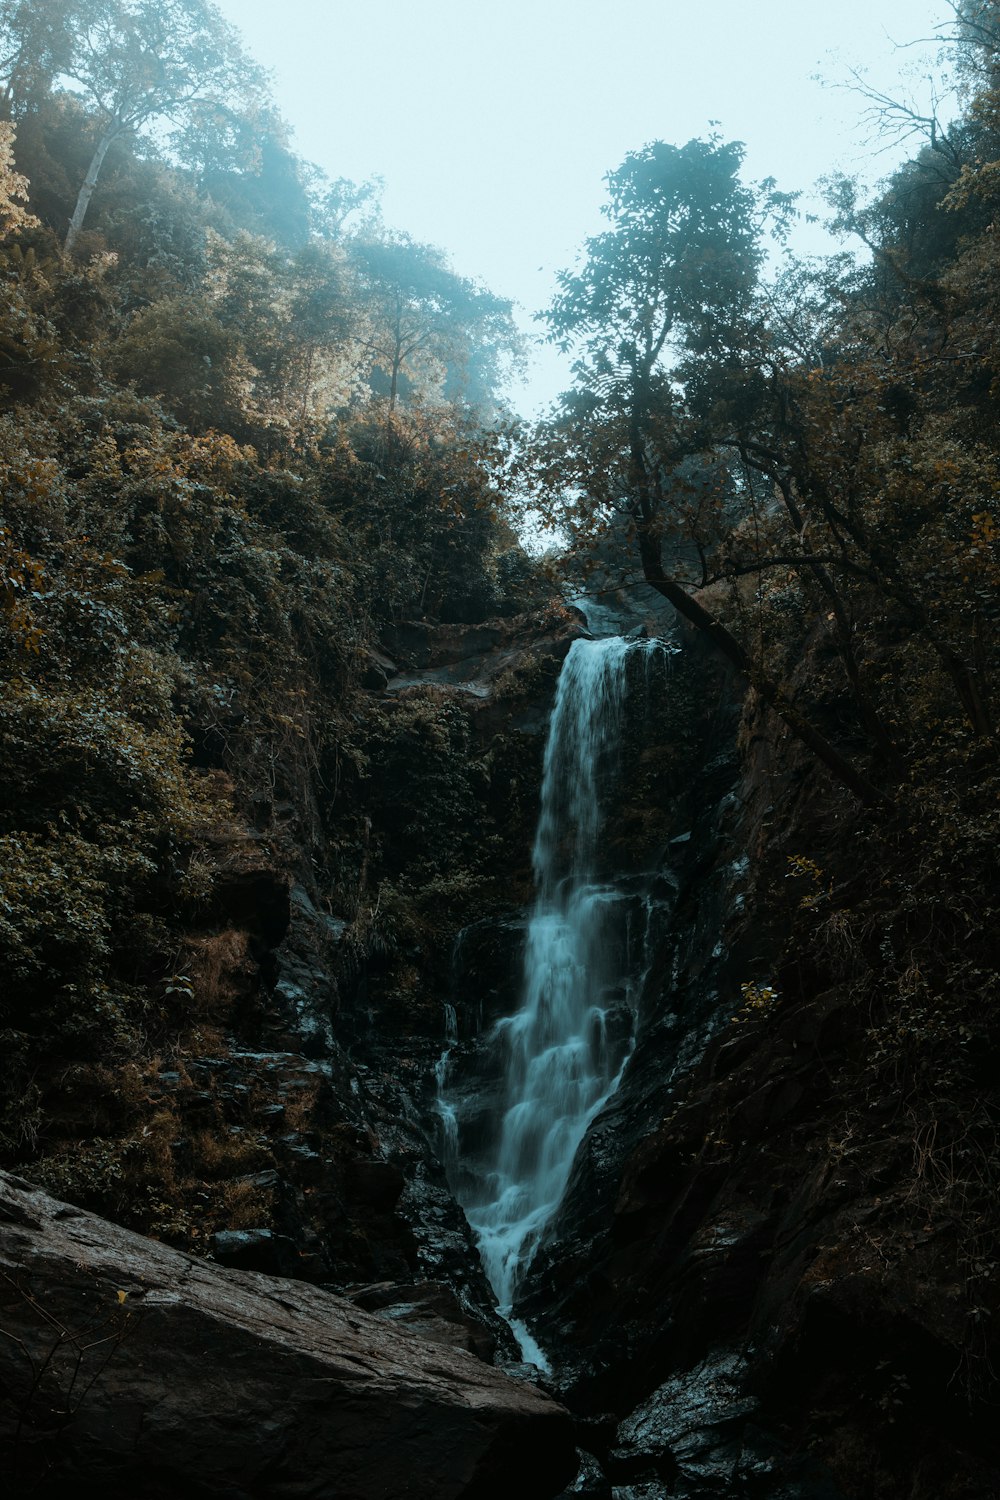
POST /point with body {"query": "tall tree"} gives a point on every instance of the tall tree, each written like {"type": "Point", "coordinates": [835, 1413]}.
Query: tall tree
{"type": "Point", "coordinates": [293, 320]}
{"type": "Point", "coordinates": [138, 62]}
{"type": "Point", "coordinates": [662, 304]}
{"type": "Point", "coordinates": [35, 45]}
{"type": "Point", "coordinates": [425, 322]}
{"type": "Point", "coordinates": [669, 281]}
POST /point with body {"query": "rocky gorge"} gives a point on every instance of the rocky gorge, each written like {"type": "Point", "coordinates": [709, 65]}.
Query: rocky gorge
{"type": "Point", "coordinates": [499, 988]}
{"type": "Point", "coordinates": [717, 1306]}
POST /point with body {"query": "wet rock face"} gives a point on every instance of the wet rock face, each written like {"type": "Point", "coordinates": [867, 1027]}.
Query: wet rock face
{"type": "Point", "coordinates": [310, 1107]}
{"type": "Point", "coordinates": [304, 966]}
{"type": "Point", "coordinates": [759, 1311]}
{"type": "Point", "coordinates": [748, 1285]}
{"type": "Point", "coordinates": [477, 662]}
{"type": "Point", "coordinates": [130, 1369]}
{"type": "Point", "coordinates": [696, 949]}
{"type": "Point", "coordinates": [487, 972]}
{"type": "Point", "coordinates": [431, 1309]}
{"type": "Point", "coordinates": [698, 1435]}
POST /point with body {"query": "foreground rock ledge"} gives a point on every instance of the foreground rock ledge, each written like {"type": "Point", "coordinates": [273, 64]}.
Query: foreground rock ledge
{"type": "Point", "coordinates": [132, 1367]}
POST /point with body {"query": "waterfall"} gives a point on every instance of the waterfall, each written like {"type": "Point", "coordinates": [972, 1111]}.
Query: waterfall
{"type": "Point", "coordinates": [564, 1050]}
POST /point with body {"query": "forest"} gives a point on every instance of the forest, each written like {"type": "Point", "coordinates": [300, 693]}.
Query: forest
{"type": "Point", "coordinates": [255, 448]}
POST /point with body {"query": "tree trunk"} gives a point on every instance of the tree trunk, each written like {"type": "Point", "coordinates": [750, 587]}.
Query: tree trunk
{"type": "Point", "coordinates": [87, 190]}
{"type": "Point", "coordinates": [397, 355]}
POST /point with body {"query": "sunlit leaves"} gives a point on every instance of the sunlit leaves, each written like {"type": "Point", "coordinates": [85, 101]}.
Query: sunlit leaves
{"type": "Point", "coordinates": [428, 331]}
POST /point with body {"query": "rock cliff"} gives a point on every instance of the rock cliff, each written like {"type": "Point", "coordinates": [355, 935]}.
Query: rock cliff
{"type": "Point", "coordinates": [747, 1294]}
{"type": "Point", "coordinates": [760, 1283]}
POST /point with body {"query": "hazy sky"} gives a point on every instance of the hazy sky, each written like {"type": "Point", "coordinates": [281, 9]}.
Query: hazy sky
{"type": "Point", "coordinates": [493, 124]}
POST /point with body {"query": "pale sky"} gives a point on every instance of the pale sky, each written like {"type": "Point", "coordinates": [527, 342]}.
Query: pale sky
{"type": "Point", "coordinates": [494, 124]}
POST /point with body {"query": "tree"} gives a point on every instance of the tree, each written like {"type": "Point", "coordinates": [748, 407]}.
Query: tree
{"type": "Point", "coordinates": [13, 186]}
{"type": "Point", "coordinates": [244, 162]}
{"type": "Point", "coordinates": [677, 264]}
{"type": "Point", "coordinates": [672, 276]}
{"type": "Point", "coordinates": [142, 61]}
{"type": "Point", "coordinates": [662, 310]}
{"type": "Point", "coordinates": [335, 203]}
{"type": "Point", "coordinates": [294, 320]}
{"type": "Point", "coordinates": [425, 322]}
{"type": "Point", "coordinates": [35, 45]}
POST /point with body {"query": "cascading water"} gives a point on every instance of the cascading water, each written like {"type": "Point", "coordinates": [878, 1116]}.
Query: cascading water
{"type": "Point", "coordinates": [565, 1049]}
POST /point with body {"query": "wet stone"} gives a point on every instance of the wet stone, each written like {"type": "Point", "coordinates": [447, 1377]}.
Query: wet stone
{"type": "Point", "coordinates": [692, 1427]}
{"type": "Point", "coordinates": [590, 1481]}
{"type": "Point", "coordinates": [256, 1250]}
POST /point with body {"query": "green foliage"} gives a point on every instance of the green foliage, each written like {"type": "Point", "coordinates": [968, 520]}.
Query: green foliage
{"type": "Point", "coordinates": [429, 331]}
{"type": "Point", "coordinates": [178, 350]}
{"type": "Point", "coordinates": [207, 515]}
{"type": "Point", "coordinates": [818, 888]}
{"type": "Point", "coordinates": [424, 741]}
{"type": "Point", "coordinates": [667, 286]}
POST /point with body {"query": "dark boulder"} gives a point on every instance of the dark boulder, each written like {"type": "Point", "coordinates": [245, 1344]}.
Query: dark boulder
{"type": "Point", "coordinates": [128, 1368]}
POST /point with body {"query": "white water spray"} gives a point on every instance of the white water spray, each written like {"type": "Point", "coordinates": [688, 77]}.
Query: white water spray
{"type": "Point", "coordinates": [562, 1060]}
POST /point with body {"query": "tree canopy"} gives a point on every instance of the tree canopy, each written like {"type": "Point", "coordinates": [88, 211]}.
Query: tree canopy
{"type": "Point", "coordinates": [747, 430]}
